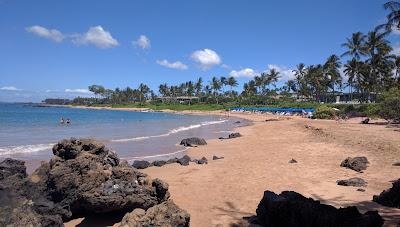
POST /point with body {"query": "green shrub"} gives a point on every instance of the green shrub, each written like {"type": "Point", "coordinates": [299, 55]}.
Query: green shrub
{"type": "Point", "coordinates": [390, 105]}
{"type": "Point", "coordinates": [325, 112]}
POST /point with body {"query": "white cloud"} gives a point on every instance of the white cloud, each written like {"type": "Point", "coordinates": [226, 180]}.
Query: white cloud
{"type": "Point", "coordinates": [143, 42]}
{"type": "Point", "coordinates": [173, 65]}
{"type": "Point", "coordinates": [96, 36]}
{"type": "Point", "coordinates": [225, 66]}
{"type": "Point", "coordinates": [284, 72]}
{"type": "Point", "coordinates": [206, 58]}
{"type": "Point", "coordinates": [43, 32]}
{"type": "Point", "coordinates": [9, 88]}
{"type": "Point", "coordinates": [82, 91]}
{"type": "Point", "coordinates": [247, 72]}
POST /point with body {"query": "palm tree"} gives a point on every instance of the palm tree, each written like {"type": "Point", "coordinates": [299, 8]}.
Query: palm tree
{"type": "Point", "coordinates": [163, 89]}
{"type": "Point", "coordinates": [232, 83]}
{"type": "Point", "coordinates": [331, 69]}
{"type": "Point", "coordinates": [393, 18]}
{"type": "Point", "coordinates": [144, 90]}
{"type": "Point", "coordinates": [397, 68]}
{"type": "Point", "coordinates": [273, 76]}
{"type": "Point", "coordinates": [355, 46]}
{"type": "Point", "coordinates": [259, 83]}
{"type": "Point", "coordinates": [216, 86]}
{"type": "Point", "coordinates": [351, 69]}
{"type": "Point", "coordinates": [198, 86]}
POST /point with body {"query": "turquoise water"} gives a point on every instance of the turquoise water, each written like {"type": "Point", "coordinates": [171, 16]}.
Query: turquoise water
{"type": "Point", "coordinates": [28, 132]}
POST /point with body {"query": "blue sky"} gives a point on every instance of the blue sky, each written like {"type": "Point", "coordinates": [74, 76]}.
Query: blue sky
{"type": "Point", "coordinates": [58, 48]}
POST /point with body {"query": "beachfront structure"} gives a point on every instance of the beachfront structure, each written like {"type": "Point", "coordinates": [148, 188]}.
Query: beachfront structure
{"type": "Point", "coordinates": [180, 99]}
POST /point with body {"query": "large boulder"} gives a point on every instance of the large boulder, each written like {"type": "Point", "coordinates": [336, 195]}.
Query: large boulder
{"type": "Point", "coordinates": [292, 209]}
{"type": "Point", "coordinates": [390, 197]}
{"type": "Point", "coordinates": [357, 163]}
{"type": "Point", "coordinates": [355, 182]}
{"type": "Point", "coordinates": [166, 214]}
{"type": "Point", "coordinates": [193, 141]}
{"type": "Point", "coordinates": [91, 182]}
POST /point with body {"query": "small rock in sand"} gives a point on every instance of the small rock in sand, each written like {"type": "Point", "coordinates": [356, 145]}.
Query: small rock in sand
{"type": "Point", "coordinates": [355, 182]}
{"type": "Point", "coordinates": [216, 157]}
{"type": "Point", "coordinates": [202, 161]}
{"type": "Point", "coordinates": [141, 164]}
{"type": "Point", "coordinates": [159, 163]}
{"type": "Point", "coordinates": [184, 160]}
{"type": "Point", "coordinates": [234, 135]}
{"type": "Point", "coordinates": [361, 190]}
{"type": "Point", "coordinates": [357, 163]}
{"type": "Point", "coordinates": [396, 164]}
{"type": "Point", "coordinates": [292, 161]}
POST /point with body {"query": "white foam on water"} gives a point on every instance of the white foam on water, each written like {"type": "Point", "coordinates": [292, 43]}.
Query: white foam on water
{"type": "Point", "coordinates": [10, 150]}
{"type": "Point", "coordinates": [170, 132]}
{"type": "Point", "coordinates": [156, 156]}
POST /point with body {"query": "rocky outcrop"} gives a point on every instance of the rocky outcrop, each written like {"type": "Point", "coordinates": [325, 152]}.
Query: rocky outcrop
{"type": "Point", "coordinates": [234, 135]}
{"type": "Point", "coordinates": [357, 163]}
{"type": "Point", "coordinates": [390, 197]}
{"type": "Point", "coordinates": [292, 209]}
{"type": "Point", "coordinates": [166, 214]}
{"type": "Point", "coordinates": [141, 164]}
{"type": "Point", "coordinates": [159, 163]}
{"type": "Point", "coordinates": [84, 177]}
{"type": "Point", "coordinates": [355, 182]}
{"type": "Point", "coordinates": [193, 141]}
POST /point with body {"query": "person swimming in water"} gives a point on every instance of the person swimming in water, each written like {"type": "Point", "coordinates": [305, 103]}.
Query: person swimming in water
{"type": "Point", "coordinates": [68, 121]}
{"type": "Point", "coordinates": [62, 120]}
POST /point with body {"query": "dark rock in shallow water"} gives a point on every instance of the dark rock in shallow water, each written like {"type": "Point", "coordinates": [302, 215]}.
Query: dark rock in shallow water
{"type": "Point", "coordinates": [194, 141]}
{"type": "Point", "coordinates": [390, 197]}
{"type": "Point", "coordinates": [159, 163]}
{"type": "Point", "coordinates": [234, 135]}
{"type": "Point", "coordinates": [292, 161]}
{"type": "Point", "coordinates": [292, 209]}
{"type": "Point", "coordinates": [355, 182]}
{"type": "Point", "coordinates": [357, 163]}
{"type": "Point", "coordinates": [141, 164]}
{"type": "Point", "coordinates": [216, 157]}
{"type": "Point", "coordinates": [184, 160]}
{"type": "Point", "coordinates": [166, 214]}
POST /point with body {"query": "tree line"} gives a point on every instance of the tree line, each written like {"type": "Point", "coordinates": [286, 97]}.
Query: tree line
{"type": "Point", "coordinates": [368, 63]}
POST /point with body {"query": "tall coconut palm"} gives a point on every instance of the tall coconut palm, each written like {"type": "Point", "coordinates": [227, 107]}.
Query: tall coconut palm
{"type": "Point", "coordinates": [393, 18]}
{"type": "Point", "coordinates": [216, 86]}
{"type": "Point", "coordinates": [232, 82]}
{"type": "Point", "coordinates": [144, 90]}
{"type": "Point", "coordinates": [224, 82]}
{"type": "Point", "coordinates": [355, 46]}
{"type": "Point", "coordinates": [273, 76]}
{"type": "Point", "coordinates": [332, 71]}
{"type": "Point", "coordinates": [198, 86]}
{"type": "Point", "coordinates": [351, 69]}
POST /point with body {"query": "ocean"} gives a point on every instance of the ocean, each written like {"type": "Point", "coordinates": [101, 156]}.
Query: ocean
{"type": "Point", "coordinates": [28, 132]}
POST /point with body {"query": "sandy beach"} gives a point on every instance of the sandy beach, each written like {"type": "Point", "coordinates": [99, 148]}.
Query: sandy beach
{"type": "Point", "coordinates": [224, 191]}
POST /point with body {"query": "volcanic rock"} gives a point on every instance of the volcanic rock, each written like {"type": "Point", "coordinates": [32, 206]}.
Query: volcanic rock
{"type": "Point", "coordinates": [357, 163]}
{"type": "Point", "coordinates": [355, 182]}
{"type": "Point", "coordinates": [390, 197]}
{"type": "Point", "coordinates": [141, 164]}
{"type": "Point", "coordinates": [193, 141]}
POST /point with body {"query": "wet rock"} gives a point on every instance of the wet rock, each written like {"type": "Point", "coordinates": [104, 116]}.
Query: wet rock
{"type": "Point", "coordinates": [159, 163]}
{"type": "Point", "coordinates": [292, 209]}
{"type": "Point", "coordinates": [355, 182]}
{"type": "Point", "coordinates": [390, 197]}
{"type": "Point", "coordinates": [216, 157]}
{"type": "Point", "coordinates": [357, 163]}
{"type": "Point", "coordinates": [193, 141]}
{"type": "Point", "coordinates": [172, 160]}
{"type": "Point", "coordinates": [234, 135]}
{"type": "Point", "coordinates": [166, 214]}
{"type": "Point", "coordinates": [141, 164]}
{"type": "Point", "coordinates": [202, 161]}
{"type": "Point", "coordinates": [237, 122]}
{"type": "Point", "coordinates": [184, 160]}
{"type": "Point", "coordinates": [292, 161]}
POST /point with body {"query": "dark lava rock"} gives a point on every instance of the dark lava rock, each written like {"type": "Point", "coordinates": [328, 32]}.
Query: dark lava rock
{"type": "Point", "coordinates": [357, 163]}
{"type": "Point", "coordinates": [83, 178]}
{"type": "Point", "coordinates": [361, 190]}
{"type": "Point", "coordinates": [159, 163]}
{"type": "Point", "coordinates": [237, 122]}
{"type": "Point", "coordinates": [292, 209]}
{"type": "Point", "coordinates": [166, 214]}
{"type": "Point", "coordinates": [192, 142]}
{"type": "Point", "coordinates": [184, 160]}
{"type": "Point", "coordinates": [141, 164]}
{"type": "Point", "coordinates": [202, 161]}
{"type": "Point", "coordinates": [234, 135]}
{"type": "Point", "coordinates": [292, 161]}
{"type": "Point", "coordinates": [9, 167]}
{"type": "Point", "coordinates": [390, 197]}
{"type": "Point", "coordinates": [396, 164]}
{"type": "Point", "coordinates": [365, 121]}
{"type": "Point", "coordinates": [216, 157]}
{"type": "Point", "coordinates": [355, 182]}
{"type": "Point", "coordinates": [172, 160]}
